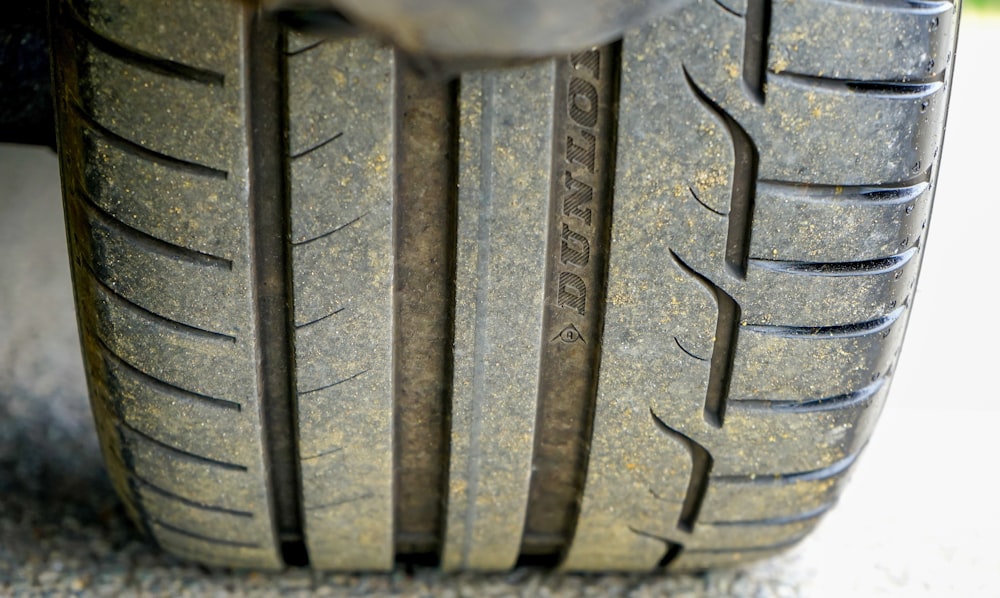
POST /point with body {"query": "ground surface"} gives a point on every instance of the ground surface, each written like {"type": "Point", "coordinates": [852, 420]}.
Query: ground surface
{"type": "Point", "coordinates": [919, 518]}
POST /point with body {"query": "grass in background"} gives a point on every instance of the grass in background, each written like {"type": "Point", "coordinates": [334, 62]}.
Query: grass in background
{"type": "Point", "coordinates": [992, 6]}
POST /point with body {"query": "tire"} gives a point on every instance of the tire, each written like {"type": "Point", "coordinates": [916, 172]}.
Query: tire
{"type": "Point", "coordinates": [635, 307]}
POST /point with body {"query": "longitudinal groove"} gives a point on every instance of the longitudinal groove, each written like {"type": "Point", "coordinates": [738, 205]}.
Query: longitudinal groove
{"type": "Point", "coordinates": [701, 469]}
{"type": "Point", "coordinates": [882, 265]}
{"type": "Point", "coordinates": [202, 537]}
{"type": "Point", "coordinates": [171, 390]}
{"type": "Point", "coordinates": [138, 58]}
{"type": "Point", "coordinates": [724, 349]}
{"type": "Point", "coordinates": [425, 204]}
{"type": "Point", "coordinates": [889, 194]}
{"type": "Point", "coordinates": [841, 401]}
{"type": "Point", "coordinates": [816, 475]}
{"type": "Point", "coordinates": [151, 316]}
{"type": "Point", "coordinates": [127, 145]}
{"type": "Point", "coordinates": [745, 159]}
{"type": "Point", "coordinates": [838, 331]}
{"type": "Point", "coordinates": [187, 501]}
{"type": "Point", "coordinates": [883, 89]}
{"type": "Point", "coordinates": [178, 451]}
{"type": "Point", "coordinates": [139, 238]}
{"type": "Point", "coordinates": [270, 230]}
{"type": "Point", "coordinates": [576, 274]}
{"type": "Point", "coordinates": [757, 26]}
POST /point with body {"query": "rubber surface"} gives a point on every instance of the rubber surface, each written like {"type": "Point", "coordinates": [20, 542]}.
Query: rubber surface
{"type": "Point", "coordinates": [634, 307]}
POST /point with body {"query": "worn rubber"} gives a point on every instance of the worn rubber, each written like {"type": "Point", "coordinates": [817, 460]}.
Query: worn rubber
{"type": "Point", "coordinates": [635, 307]}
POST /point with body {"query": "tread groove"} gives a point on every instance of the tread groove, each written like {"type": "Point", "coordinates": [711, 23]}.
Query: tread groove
{"type": "Point", "coordinates": [724, 349]}
{"type": "Point", "coordinates": [872, 267]}
{"type": "Point", "coordinates": [745, 160]}
{"type": "Point", "coordinates": [701, 469]}
{"type": "Point", "coordinates": [188, 455]}
{"type": "Point", "coordinates": [168, 323]}
{"type": "Point", "coordinates": [138, 58]}
{"type": "Point", "coordinates": [269, 218]}
{"type": "Point", "coordinates": [167, 388]}
{"type": "Point", "coordinates": [841, 401]}
{"type": "Point", "coordinates": [202, 537]}
{"type": "Point", "coordinates": [775, 521]}
{"type": "Point", "coordinates": [881, 89]}
{"type": "Point", "coordinates": [150, 243]}
{"type": "Point", "coordinates": [869, 195]}
{"type": "Point", "coordinates": [816, 475]}
{"type": "Point", "coordinates": [127, 145]}
{"type": "Point", "coordinates": [837, 331]}
{"type": "Point", "coordinates": [755, 38]}
{"type": "Point", "coordinates": [187, 501]}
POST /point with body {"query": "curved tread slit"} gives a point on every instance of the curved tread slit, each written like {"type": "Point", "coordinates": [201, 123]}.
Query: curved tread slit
{"type": "Point", "coordinates": [724, 349]}
{"type": "Point", "coordinates": [867, 195]}
{"type": "Point", "coordinates": [136, 149]}
{"type": "Point", "coordinates": [319, 319]}
{"type": "Point", "coordinates": [841, 401]}
{"type": "Point", "coordinates": [319, 145]}
{"type": "Point", "coordinates": [171, 324]}
{"type": "Point", "coordinates": [815, 475]}
{"type": "Point", "coordinates": [132, 431]}
{"type": "Point", "coordinates": [187, 501]}
{"type": "Point", "coordinates": [323, 454]}
{"type": "Point", "coordinates": [339, 502]}
{"type": "Point", "coordinates": [202, 537]}
{"type": "Point", "coordinates": [701, 468]}
{"type": "Point", "coordinates": [882, 89]}
{"type": "Point", "coordinates": [138, 58]}
{"type": "Point", "coordinates": [150, 243]}
{"type": "Point", "coordinates": [743, 185]}
{"type": "Point", "coordinates": [328, 233]}
{"type": "Point", "coordinates": [728, 9]}
{"type": "Point", "coordinates": [673, 549]}
{"type": "Point", "coordinates": [331, 385]}
{"type": "Point", "coordinates": [873, 267]}
{"type": "Point", "coordinates": [775, 521]}
{"type": "Point", "coordinates": [705, 205]}
{"type": "Point", "coordinates": [171, 390]}
{"type": "Point", "coordinates": [689, 354]}
{"type": "Point", "coordinates": [307, 48]}
{"type": "Point", "coordinates": [829, 332]}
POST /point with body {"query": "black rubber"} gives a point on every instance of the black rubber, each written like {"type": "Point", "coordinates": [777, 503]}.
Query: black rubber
{"type": "Point", "coordinates": [634, 307]}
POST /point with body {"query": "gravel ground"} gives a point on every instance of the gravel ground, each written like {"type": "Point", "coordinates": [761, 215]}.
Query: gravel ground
{"type": "Point", "coordinates": [918, 520]}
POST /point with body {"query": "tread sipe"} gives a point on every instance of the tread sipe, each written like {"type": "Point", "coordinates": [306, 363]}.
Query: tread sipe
{"type": "Point", "coordinates": [638, 306]}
